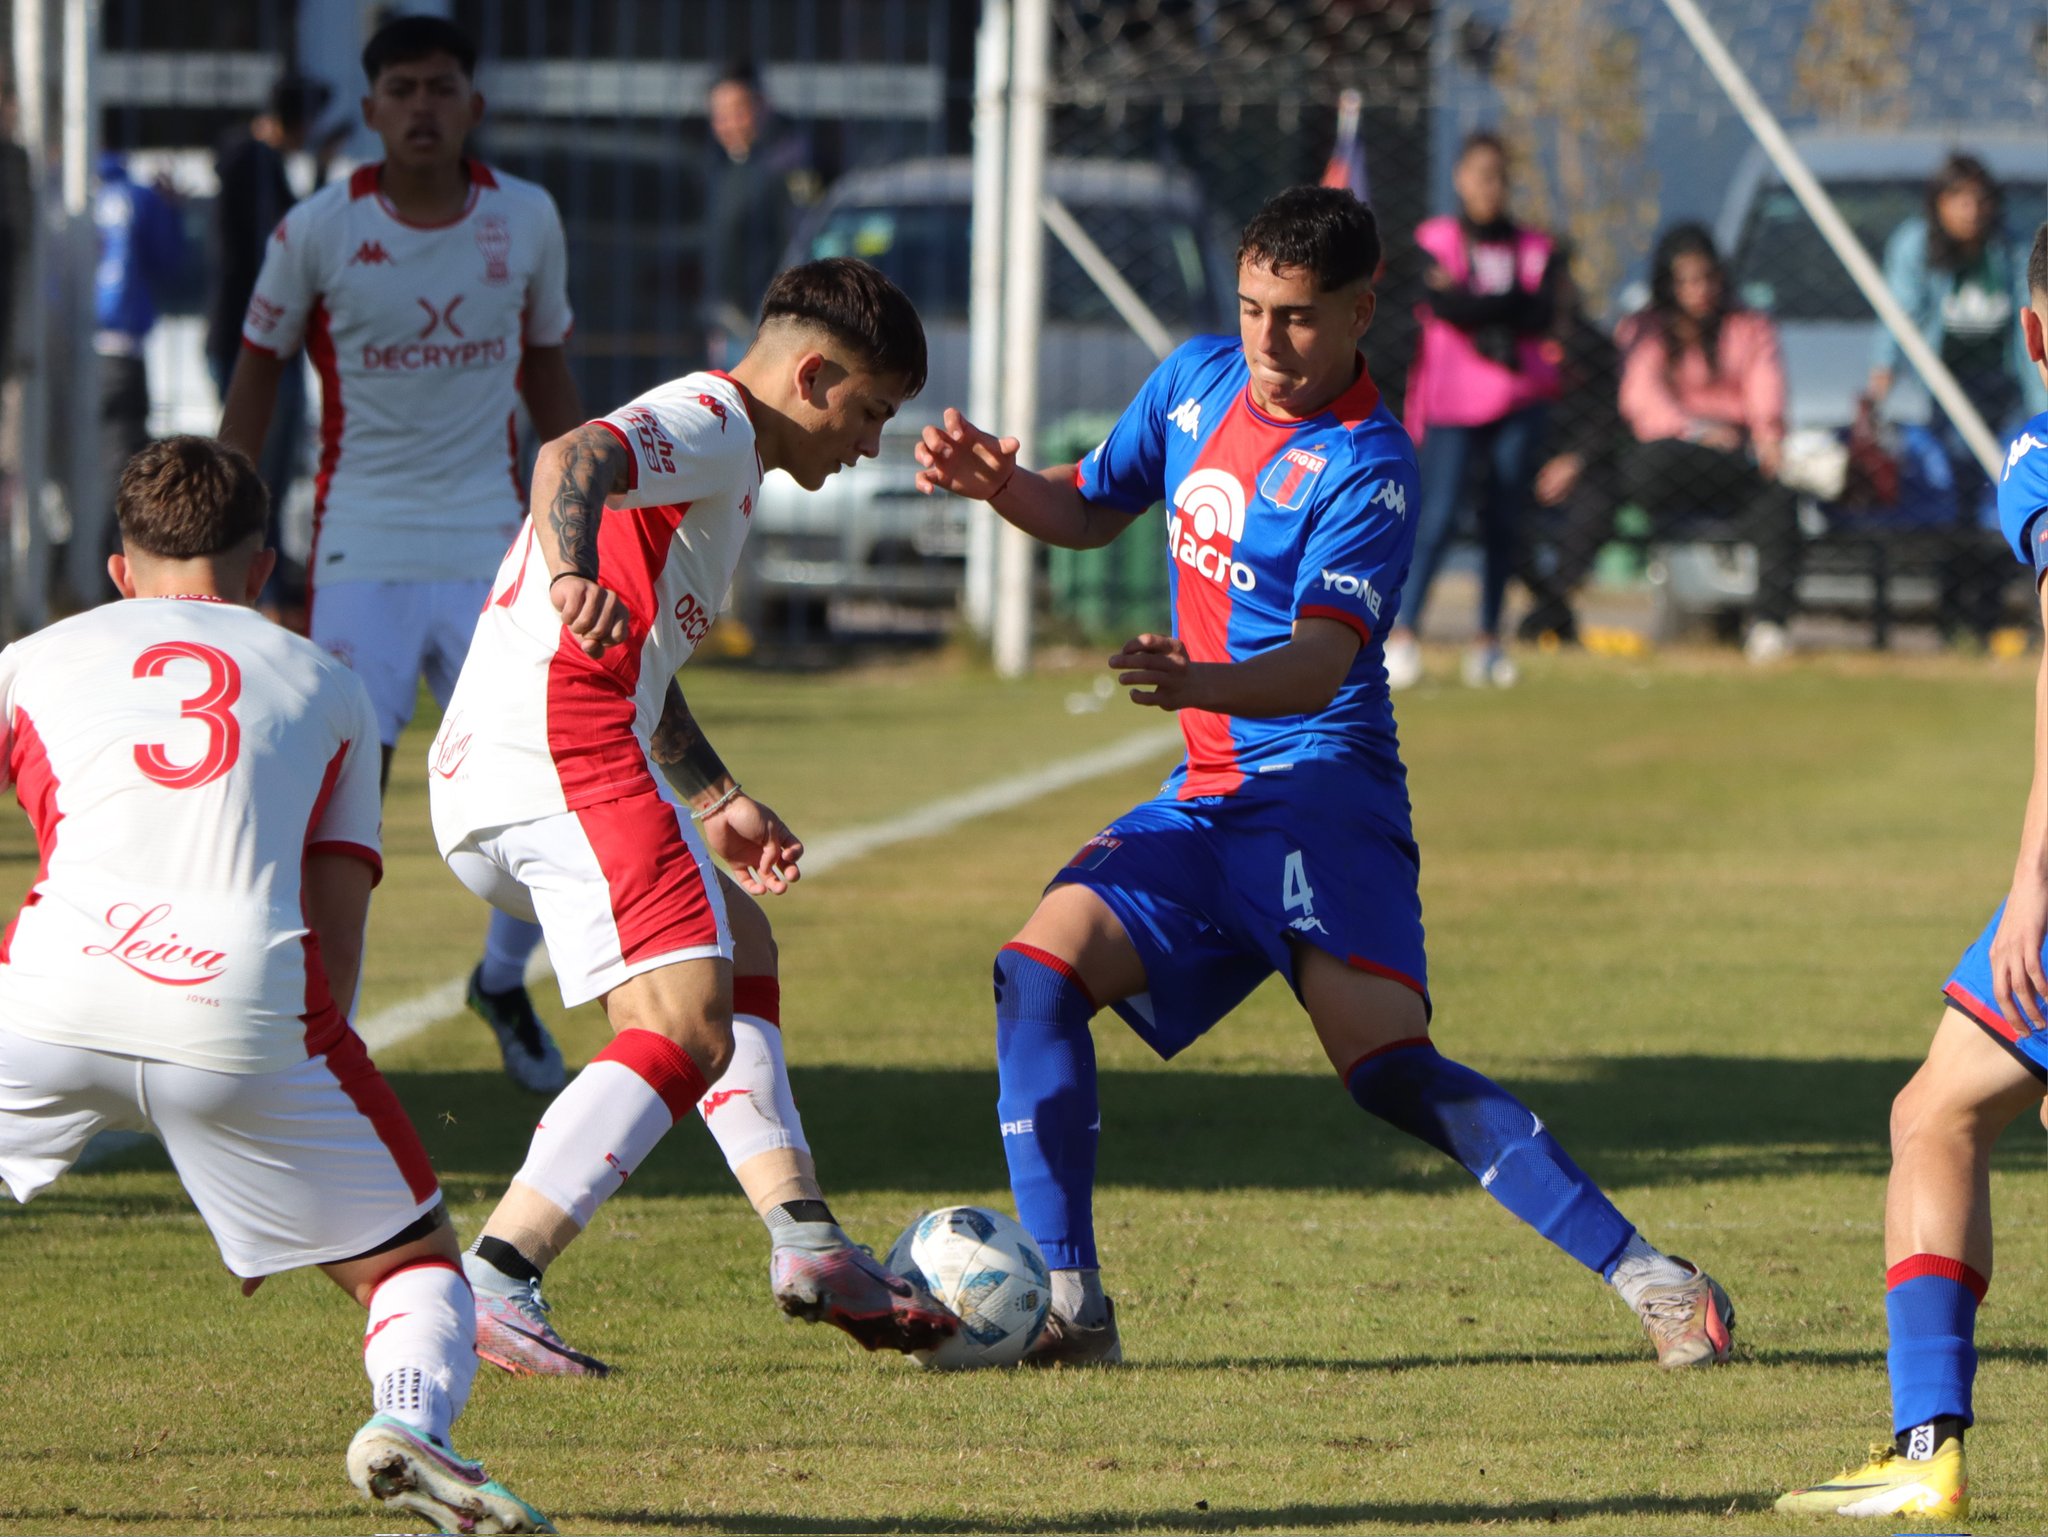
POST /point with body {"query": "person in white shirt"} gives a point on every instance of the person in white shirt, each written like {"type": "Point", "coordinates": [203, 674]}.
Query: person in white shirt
{"type": "Point", "coordinates": [430, 293]}
{"type": "Point", "coordinates": [570, 783]}
{"type": "Point", "coordinates": [203, 786]}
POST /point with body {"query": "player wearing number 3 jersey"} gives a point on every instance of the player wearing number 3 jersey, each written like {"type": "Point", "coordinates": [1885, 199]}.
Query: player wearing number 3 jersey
{"type": "Point", "coordinates": [203, 787]}
{"type": "Point", "coordinates": [1282, 843]}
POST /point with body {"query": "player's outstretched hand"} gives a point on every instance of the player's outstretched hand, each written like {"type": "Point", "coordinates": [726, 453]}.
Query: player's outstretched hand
{"type": "Point", "coordinates": [1159, 667]}
{"type": "Point", "coordinates": [2017, 979]}
{"type": "Point", "coordinates": [594, 615]}
{"type": "Point", "coordinates": [959, 457]}
{"type": "Point", "coordinates": [753, 840]}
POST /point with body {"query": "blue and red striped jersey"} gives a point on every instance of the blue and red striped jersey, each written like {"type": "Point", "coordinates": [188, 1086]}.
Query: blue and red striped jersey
{"type": "Point", "coordinates": [1269, 521]}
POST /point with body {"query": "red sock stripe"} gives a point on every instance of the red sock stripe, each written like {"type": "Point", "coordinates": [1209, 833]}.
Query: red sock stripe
{"type": "Point", "coordinates": [665, 1066]}
{"type": "Point", "coordinates": [1052, 962]}
{"type": "Point", "coordinates": [431, 1262]}
{"type": "Point", "coordinates": [1381, 1051]}
{"type": "Point", "coordinates": [1916, 1265]}
{"type": "Point", "coordinates": [760, 997]}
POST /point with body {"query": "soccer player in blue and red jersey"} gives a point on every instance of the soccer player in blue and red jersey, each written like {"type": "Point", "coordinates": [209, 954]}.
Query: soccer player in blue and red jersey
{"type": "Point", "coordinates": [1282, 843]}
{"type": "Point", "coordinates": [1986, 1068]}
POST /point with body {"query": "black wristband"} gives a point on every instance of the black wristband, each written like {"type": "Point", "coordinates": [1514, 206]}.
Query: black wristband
{"type": "Point", "coordinates": [560, 574]}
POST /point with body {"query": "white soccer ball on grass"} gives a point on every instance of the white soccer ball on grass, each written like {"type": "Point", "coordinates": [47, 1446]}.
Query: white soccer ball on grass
{"type": "Point", "coordinates": [987, 1269]}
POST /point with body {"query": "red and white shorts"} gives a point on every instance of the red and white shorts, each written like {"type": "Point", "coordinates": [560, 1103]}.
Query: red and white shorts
{"type": "Point", "coordinates": [618, 889]}
{"type": "Point", "coordinates": [306, 1166]}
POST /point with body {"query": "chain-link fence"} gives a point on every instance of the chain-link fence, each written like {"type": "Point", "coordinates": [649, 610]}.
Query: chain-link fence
{"type": "Point", "coordinates": [1711, 419]}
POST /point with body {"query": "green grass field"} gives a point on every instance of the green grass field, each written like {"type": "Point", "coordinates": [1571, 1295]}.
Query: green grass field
{"type": "Point", "coordinates": [1698, 917]}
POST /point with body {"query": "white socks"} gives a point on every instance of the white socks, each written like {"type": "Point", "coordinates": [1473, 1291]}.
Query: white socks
{"type": "Point", "coordinates": [419, 1346]}
{"type": "Point", "coordinates": [509, 944]}
{"type": "Point", "coordinates": [1077, 1297]}
{"type": "Point", "coordinates": [750, 1111]}
{"type": "Point", "coordinates": [1642, 1267]}
{"type": "Point", "coordinates": [608, 1119]}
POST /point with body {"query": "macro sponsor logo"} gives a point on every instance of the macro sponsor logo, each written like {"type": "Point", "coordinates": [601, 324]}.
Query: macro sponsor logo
{"type": "Point", "coordinates": [656, 451]}
{"type": "Point", "coordinates": [1345, 585]}
{"type": "Point", "coordinates": [147, 944]}
{"type": "Point", "coordinates": [370, 253]}
{"type": "Point", "coordinates": [430, 357]}
{"type": "Point", "coordinates": [1210, 504]}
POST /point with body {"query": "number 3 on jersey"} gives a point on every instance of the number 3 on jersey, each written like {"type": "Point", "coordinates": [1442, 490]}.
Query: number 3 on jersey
{"type": "Point", "coordinates": [212, 707]}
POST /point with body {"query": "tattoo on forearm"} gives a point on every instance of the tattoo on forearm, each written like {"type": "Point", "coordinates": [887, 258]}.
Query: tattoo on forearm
{"type": "Point", "coordinates": [586, 478]}
{"type": "Point", "coordinates": [687, 760]}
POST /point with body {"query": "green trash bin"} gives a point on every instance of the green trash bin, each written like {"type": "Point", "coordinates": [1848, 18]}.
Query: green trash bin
{"type": "Point", "coordinates": [1120, 589]}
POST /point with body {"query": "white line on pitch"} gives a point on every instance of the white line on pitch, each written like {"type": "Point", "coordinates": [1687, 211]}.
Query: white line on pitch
{"type": "Point", "coordinates": [402, 1021]}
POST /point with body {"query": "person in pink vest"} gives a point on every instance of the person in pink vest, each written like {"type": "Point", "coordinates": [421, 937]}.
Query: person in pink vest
{"type": "Point", "coordinates": [1483, 378]}
{"type": "Point", "coordinates": [1703, 391]}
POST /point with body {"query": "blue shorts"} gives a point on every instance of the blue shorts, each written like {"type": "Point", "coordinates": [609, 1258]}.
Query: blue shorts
{"type": "Point", "coordinates": [1969, 991]}
{"type": "Point", "coordinates": [1213, 891]}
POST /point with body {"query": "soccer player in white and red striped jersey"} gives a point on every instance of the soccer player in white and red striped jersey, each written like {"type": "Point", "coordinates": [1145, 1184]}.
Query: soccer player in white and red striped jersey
{"type": "Point", "coordinates": [570, 783]}
{"type": "Point", "coordinates": [203, 787]}
{"type": "Point", "coordinates": [430, 292]}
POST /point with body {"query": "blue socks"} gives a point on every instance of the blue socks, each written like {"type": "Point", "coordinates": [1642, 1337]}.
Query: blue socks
{"type": "Point", "coordinates": [507, 944]}
{"type": "Point", "coordinates": [1931, 1305]}
{"type": "Point", "coordinates": [1499, 1141]}
{"type": "Point", "coordinates": [1045, 1063]}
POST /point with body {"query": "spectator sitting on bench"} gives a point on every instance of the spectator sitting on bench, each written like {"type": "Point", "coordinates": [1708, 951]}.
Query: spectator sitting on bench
{"type": "Point", "coordinates": [1703, 392]}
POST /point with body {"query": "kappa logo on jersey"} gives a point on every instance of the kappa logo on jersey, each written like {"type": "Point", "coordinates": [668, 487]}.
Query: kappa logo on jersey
{"type": "Point", "coordinates": [1187, 416]}
{"type": "Point", "coordinates": [263, 315]}
{"type": "Point", "coordinates": [1210, 504]}
{"type": "Point", "coordinates": [436, 318]}
{"type": "Point", "coordinates": [2023, 445]}
{"type": "Point", "coordinates": [1289, 478]}
{"type": "Point", "coordinates": [655, 446]}
{"type": "Point", "coordinates": [1392, 497]}
{"type": "Point", "coordinates": [494, 239]}
{"type": "Point", "coordinates": [1345, 585]}
{"type": "Point", "coordinates": [715, 406]}
{"type": "Point", "coordinates": [145, 943]}
{"type": "Point", "coordinates": [1094, 852]}
{"type": "Point", "coordinates": [370, 253]}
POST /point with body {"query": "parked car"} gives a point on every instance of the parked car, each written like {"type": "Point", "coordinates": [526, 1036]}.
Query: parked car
{"type": "Point", "coordinates": [869, 533]}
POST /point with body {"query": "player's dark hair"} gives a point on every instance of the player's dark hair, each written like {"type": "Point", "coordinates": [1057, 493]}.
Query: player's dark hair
{"type": "Point", "coordinates": [186, 497]}
{"type": "Point", "coordinates": [739, 72]}
{"type": "Point", "coordinates": [859, 308]}
{"type": "Point", "coordinates": [295, 100]}
{"type": "Point", "coordinates": [408, 39]}
{"type": "Point", "coordinates": [1961, 170]}
{"type": "Point", "coordinates": [1325, 230]}
{"type": "Point", "coordinates": [2037, 264]}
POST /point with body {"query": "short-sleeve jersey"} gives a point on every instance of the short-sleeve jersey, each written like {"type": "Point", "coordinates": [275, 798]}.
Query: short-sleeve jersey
{"type": "Point", "coordinates": [417, 333]}
{"type": "Point", "coordinates": [179, 759]}
{"type": "Point", "coordinates": [2023, 496]}
{"type": "Point", "coordinates": [535, 727]}
{"type": "Point", "coordinates": [1269, 521]}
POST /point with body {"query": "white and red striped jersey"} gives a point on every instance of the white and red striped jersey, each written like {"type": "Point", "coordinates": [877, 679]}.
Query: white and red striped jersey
{"type": "Point", "coordinates": [417, 332]}
{"type": "Point", "coordinates": [178, 760]}
{"type": "Point", "coordinates": [535, 727]}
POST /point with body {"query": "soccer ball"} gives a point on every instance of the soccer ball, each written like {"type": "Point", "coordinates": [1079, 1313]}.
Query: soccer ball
{"type": "Point", "coordinates": [986, 1268]}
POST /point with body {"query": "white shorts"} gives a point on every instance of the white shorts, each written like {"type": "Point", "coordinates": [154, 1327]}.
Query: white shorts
{"type": "Point", "coordinates": [617, 889]}
{"type": "Point", "coordinates": [394, 633]}
{"type": "Point", "coordinates": [312, 1164]}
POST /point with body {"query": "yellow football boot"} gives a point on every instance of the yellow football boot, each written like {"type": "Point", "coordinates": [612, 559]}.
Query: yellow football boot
{"type": "Point", "coordinates": [1891, 1485]}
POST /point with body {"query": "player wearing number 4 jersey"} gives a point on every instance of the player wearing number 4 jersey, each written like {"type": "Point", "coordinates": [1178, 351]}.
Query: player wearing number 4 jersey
{"type": "Point", "coordinates": [570, 784]}
{"type": "Point", "coordinates": [203, 789]}
{"type": "Point", "coordinates": [430, 293]}
{"type": "Point", "coordinates": [1282, 843]}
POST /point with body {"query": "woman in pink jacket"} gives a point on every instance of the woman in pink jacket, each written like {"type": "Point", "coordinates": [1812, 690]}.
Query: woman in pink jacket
{"type": "Point", "coordinates": [1703, 391]}
{"type": "Point", "coordinates": [1484, 375]}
